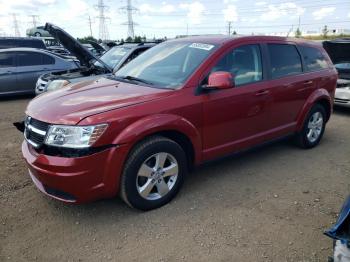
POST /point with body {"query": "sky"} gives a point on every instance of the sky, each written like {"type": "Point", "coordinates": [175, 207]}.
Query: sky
{"type": "Point", "coordinates": [171, 17]}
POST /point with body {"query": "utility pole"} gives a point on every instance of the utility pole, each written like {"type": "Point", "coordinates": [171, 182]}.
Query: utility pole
{"type": "Point", "coordinates": [103, 30]}
{"type": "Point", "coordinates": [129, 9]}
{"type": "Point", "coordinates": [15, 24]}
{"type": "Point", "coordinates": [89, 20]}
{"type": "Point", "coordinates": [229, 27]}
{"type": "Point", "coordinates": [35, 19]}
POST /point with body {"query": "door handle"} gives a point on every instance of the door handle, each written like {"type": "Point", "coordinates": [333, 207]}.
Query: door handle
{"type": "Point", "coordinates": [262, 93]}
{"type": "Point", "coordinates": [308, 82]}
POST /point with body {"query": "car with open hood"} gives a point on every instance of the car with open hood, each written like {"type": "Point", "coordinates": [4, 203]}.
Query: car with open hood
{"type": "Point", "coordinates": [92, 66]}
{"type": "Point", "coordinates": [339, 52]}
{"type": "Point", "coordinates": [184, 102]}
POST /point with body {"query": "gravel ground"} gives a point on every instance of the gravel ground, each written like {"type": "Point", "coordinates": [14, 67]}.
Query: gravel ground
{"type": "Point", "coordinates": [270, 204]}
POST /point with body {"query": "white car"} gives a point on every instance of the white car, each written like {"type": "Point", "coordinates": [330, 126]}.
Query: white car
{"type": "Point", "coordinates": [342, 93]}
{"type": "Point", "coordinates": [339, 52]}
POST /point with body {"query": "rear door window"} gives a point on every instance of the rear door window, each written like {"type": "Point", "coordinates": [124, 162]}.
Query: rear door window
{"type": "Point", "coordinates": [7, 60]}
{"type": "Point", "coordinates": [29, 59]}
{"type": "Point", "coordinates": [313, 58]}
{"type": "Point", "coordinates": [284, 60]}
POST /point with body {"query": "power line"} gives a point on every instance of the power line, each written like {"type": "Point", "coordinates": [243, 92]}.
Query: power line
{"type": "Point", "coordinates": [15, 24]}
{"type": "Point", "coordinates": [103, 30]}
{"type": "Point", "coordinates": [35, 19]}
{"type": "Point", "coordinates": [253, 26]}
{"type": "Point", "coordinates": [90, 22]}
{"type": "Point", "coordinates": [129, 9]}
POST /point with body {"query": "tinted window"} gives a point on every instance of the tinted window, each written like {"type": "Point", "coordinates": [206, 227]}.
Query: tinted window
{"type": "Point", "coordinates": [244, 63]}
{"type": "Point", "coordinates": [29, 59]}
{"type": "Point", "coordinates": [48, 60]}
{"type": "Point", "coordinates": [7, 60]}
{"type": "Point", "coordinates": [313, 58]}
{"type": "Point", "coordinates": [285, 60]}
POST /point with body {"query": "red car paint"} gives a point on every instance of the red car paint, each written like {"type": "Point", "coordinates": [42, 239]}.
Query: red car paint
{"type": "Point", "coordinates": [216, 123]}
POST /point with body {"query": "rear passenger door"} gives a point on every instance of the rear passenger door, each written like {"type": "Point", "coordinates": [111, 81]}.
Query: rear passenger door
{"type": "Point", "coordinates": [288, 85]}
{"type": "Point", "coordinates": [30, 65]}
{"type": "Point", "coordinates": [7, 72]}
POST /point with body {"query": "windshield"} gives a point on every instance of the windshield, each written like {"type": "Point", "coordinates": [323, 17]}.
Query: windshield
{"type": "Point", "coordinates": [343, 66]}
{"type": "Point", "coordinates": [167, 65]}
{"type": "Point", "coordinates": [113, 56]}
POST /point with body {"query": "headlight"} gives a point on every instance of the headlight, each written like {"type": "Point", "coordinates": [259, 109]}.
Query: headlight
{"type": "Point", "coordinates": [74, 136]}
{"type": "Point", "coordinates": [56, 84]}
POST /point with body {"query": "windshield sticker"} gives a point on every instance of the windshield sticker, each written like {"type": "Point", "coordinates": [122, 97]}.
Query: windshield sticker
{"type": "Point", "coordinates": [201, 46]}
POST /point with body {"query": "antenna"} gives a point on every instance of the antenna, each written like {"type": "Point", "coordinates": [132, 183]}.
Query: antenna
{"type": "Point", "coordinates": [15, 24]}
{"type": "Point", "coordinates": [129, 9]}
{"type": "Point", "coordinates": [35, 19]}
{"type": "Point", "coordinates": [103, 30]}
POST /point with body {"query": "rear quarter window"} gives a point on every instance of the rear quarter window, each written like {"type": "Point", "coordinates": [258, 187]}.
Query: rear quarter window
{"type": "Point", "coordinates": [48, 60]}
{"type": "Point", "coordinates": [284, 60]}
{"type": "Point", "coordinates": [313, 58]}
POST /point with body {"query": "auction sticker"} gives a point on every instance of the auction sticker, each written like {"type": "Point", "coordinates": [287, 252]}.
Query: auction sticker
{"type": "Point", "coordinates": [201, 46]}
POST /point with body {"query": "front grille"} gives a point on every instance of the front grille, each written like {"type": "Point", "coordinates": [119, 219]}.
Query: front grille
{"type": "Point", "coordinates": [35, 131]}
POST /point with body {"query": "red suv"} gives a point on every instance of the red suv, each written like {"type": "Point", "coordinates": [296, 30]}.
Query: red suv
{"type": "Point", "coordinates": [179, 104]}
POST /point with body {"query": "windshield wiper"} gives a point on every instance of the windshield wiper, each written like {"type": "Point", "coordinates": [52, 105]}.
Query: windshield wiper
{"type": "Point", "coordinates": [133, 78]}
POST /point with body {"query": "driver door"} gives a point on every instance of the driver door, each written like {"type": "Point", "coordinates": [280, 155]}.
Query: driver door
{"type": "Point", "coordinates": [236, 118]}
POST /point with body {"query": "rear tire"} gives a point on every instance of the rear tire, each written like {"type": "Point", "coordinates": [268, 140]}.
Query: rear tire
{"type": "Point", "coordinates": [37, 34]}
{"type": "Point", "coordinates": [313, 128]}
{"type": "Point", "coordinates": [153, 173]}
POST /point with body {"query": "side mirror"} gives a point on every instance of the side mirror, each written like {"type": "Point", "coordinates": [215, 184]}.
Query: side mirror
{"type": "Point", "coordinates": [220, 80]}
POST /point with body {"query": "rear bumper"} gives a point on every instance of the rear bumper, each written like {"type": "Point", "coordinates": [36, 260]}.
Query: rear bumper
{"type": "Point", "coordinates": [75, 180]}
{"type": "Point", "coordinates": [342, 97]}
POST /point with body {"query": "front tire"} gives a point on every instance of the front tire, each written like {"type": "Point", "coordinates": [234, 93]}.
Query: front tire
{"type": "Point", "coordinates": [313, 128]}
{"type": "Point", "coordinates": [153, 173]}
{"type": "Point", "coordinates": [37, 34]}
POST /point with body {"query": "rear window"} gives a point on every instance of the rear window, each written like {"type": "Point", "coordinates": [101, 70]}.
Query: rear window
{"type": "Point", "coordinates": [29, 59]}
{"type": "Point", "coordinates": [7, 60]}
{"type": "Point", "coordinates": [313, 58]}
{"type": "Point", "coordinates": [285, 60]}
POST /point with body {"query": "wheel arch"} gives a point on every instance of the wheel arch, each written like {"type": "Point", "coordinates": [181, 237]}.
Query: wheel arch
{"type": "Point", "coordinates": [173, 127]}
{"type": "Point", "coordinates": [319, 96]}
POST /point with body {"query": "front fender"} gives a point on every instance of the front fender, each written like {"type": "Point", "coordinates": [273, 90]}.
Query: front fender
{"type": "Point", "coordinates": [317, 95]}
{"type": "Point", "coordinates": [157, 123]}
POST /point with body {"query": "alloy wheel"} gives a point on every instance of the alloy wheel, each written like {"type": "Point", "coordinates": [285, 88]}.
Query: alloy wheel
{"type": "Point", "coordinates": [315, 126]}
{"type": "Point", "coordinates": [157, 176]}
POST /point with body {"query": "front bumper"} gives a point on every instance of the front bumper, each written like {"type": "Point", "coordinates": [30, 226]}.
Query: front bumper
{"type": "Point", "coordinates": [75, 180]}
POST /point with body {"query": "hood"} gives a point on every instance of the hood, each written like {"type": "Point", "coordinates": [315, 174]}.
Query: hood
{"type": "Point", "coordinates": [97, 46]}
{"type": "Point", "coordinates": [73, 103]}
{"type": "Point", "coordinates": [73, 46]}
{"type": "Point", "coordinates": [338, 50]}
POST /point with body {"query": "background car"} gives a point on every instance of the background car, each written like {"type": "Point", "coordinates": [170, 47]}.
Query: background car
{"type": "Point", "coordinates": [21, 67]}
{"type": "Point", "coordinates": [340, 233]}
{"type": "Point", "coordinates": [92, 65]}
{"type": "Point", "coordinates": [12, 42]}
{"type": "Point", "coordinates": [37, 31]}
{"type": "Point", "coordinates": [339, 52]}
